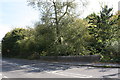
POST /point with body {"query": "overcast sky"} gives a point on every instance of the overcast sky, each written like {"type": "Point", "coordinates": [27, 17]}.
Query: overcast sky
{"type": "Point", "coordinates": [16, 13]}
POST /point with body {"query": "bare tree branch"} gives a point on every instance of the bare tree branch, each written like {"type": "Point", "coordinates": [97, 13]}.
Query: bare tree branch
{"type": "Point", "coordinates": [64, 13]}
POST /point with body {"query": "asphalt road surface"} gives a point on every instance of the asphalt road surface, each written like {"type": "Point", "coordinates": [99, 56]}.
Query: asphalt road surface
{"type": "Point", "coordinates": [17, 68]}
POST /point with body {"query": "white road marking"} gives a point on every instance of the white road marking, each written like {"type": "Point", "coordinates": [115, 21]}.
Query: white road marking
{"type": "Point", "coordinates": [69, 74]}
{"type": "Point", "coordinates": [5, 77]}
{"type": "Point", "coordinates": [1, 76]}
{"type": "Point", "coordinates": [29, 67]}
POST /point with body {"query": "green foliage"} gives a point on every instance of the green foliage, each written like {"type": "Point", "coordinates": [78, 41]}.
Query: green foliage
{"type": "Point", "coordinates": [104, 29]}
{"type": "Point", "coordinates": [44, 38]}
{"type": "Point", "coordinates": [73, 40]}
{"type": "Point", "coordinates": [76, 37]}
{"type": "Point", "coordinates": [9, 42]}
{"type": "Point", "coordinates": [54, 12]}
{"type": "Point", "coordinates": [97, 34]}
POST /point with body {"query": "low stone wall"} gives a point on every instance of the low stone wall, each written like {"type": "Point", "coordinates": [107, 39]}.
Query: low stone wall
{"type": "Point", "coordinates": [88, 58]}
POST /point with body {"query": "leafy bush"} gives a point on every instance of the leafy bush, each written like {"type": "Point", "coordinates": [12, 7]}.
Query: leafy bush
{"type": "Point", "coordinates": [104, 29]}
{"type": "Point", "coordinates": [10, 46]}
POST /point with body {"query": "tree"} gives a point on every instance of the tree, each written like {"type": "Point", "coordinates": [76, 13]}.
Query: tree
{"type": "Point", "coordinates": [76, 37]}
{"type": "Point", "coordinates": [44, 38]}
{"type": "Point", "coordinates": [113, 44]}
{"type": "Point", "coordinates": [9, 42]}
{"type": "Point", "coordinates": [102, 28]}
{"type": "Point", "coordinates": [54, 11]}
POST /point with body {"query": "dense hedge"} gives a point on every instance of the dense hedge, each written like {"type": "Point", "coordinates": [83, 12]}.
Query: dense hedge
{"type": "Point", "coordinates": [10, 46]}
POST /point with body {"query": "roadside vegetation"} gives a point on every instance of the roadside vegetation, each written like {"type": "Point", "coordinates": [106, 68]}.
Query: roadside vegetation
{"type": "Point", "coordinates": [61, 32]}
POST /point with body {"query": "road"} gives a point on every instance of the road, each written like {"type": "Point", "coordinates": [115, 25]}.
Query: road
{"type": "Point", "coordinates": [17, 68]}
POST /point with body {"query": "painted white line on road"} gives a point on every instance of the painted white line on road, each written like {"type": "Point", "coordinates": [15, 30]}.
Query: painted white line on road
{"type": "Point", "coordinates": [29, 67]}
{"type": "Point", "coordinates": [5, 77]}
{"type": "Point", "coordinates": [70, 74]}
{"type": "Point", "coordinates": [2, 76]}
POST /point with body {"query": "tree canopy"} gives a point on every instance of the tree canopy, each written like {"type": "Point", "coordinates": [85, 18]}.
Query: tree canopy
{"type": "Point", "coordinates": [61, 32]}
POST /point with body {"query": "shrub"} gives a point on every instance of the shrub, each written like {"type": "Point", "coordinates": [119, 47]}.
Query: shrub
{"type": "Point", "coordinates": [10, 46]}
